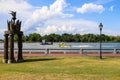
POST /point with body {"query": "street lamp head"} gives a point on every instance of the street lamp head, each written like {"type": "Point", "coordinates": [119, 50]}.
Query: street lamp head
{"type": "Point", "coordinates": [100, 26]}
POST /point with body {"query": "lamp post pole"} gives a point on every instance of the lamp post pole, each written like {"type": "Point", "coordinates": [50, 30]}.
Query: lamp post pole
{"type": "Point", "coordinates": [100, 26]}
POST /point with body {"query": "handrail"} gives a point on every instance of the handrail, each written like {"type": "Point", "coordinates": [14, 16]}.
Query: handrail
{"type": "Point", "coordinates": [49, 50]}
{"type": "Point", "coordinates": [60, 49]}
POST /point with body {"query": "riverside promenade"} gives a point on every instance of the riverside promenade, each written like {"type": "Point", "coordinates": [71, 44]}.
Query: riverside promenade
{"type": "Point", "coordinates": [104, 54]}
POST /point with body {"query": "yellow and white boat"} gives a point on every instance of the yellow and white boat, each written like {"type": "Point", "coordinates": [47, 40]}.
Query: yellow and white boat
{"type": "Point", "coordinates": [64, 44]}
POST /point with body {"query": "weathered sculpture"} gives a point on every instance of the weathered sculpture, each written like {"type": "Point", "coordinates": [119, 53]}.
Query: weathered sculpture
{"type": "Point", "coordinates": [14, 27]}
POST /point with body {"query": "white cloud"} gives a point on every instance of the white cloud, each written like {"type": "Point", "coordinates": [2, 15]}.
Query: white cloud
{"type": "Point", "coordinates": [31, 15]}
{"type": "Point", "coordinates": [58, 6]}
{"type": "Point", "coordinates": [90, 7]}
{"type": "Point", "coordinates": [54, 29]}
{"type": "Point", "coordinates": [68, 26]}
{"type": "Point", "coordinates": [48, 30]}
{"type": "Point", "coordinates": [2, 31]}
{"type": "Point", "coordinates": [111, 32]}
{"type": "Point", "coordinates": [46, 13]}
{"type": "Point", "coordinates": [21, 6]}
{"type": "Point", "coordinates": [51, 19]}
{"type": "Point", "coordinates": [111, 8]}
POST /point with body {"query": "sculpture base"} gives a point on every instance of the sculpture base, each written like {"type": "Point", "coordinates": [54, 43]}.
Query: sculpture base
{"type": "Point", "coordinates": [5, 60]}
{"type": "Point", "coordinates": [11, 61]}
{"type": "Point", "coordinates": [20, 60]}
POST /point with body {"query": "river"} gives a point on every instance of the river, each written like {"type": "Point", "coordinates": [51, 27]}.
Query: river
{"type": "Point", "coordinates": [73, 45]}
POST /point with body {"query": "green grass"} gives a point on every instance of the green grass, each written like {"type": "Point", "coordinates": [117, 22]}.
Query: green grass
{"type": "Point", "coordinates": [62, 68]}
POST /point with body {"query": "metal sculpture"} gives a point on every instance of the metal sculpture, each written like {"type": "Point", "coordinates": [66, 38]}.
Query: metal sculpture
{"type": "Point", "coordinates": [14, 27]}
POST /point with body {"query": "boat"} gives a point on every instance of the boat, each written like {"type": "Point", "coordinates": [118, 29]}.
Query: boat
{"type": "Point", "coordinates": [62, 44]}
{"type": "Point", "coordinates": [46, 43]}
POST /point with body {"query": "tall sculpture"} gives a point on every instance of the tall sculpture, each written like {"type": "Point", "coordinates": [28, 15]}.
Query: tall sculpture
{"type": "Point", "coordinates": [14, 27]}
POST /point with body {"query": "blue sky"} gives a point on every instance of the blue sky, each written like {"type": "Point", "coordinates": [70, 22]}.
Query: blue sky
{"type": "Point", "coordinates": [63, 16]}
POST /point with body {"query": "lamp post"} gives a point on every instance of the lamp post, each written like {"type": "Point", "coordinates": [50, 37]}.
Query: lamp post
{"type": "Point", "coordinates": [100, 26]}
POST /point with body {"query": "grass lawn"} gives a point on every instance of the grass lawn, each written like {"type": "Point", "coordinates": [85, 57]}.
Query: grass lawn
{"type": "Point", "coordinates": [62, 68]}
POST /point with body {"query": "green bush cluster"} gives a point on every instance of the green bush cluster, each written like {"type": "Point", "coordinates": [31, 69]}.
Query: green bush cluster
{"type": "Point", "coordinates": [35, 37]}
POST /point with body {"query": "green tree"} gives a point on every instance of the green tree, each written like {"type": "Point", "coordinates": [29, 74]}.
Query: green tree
{"type": "Point", "coordinates": [1, 40]}
{"type": "Point", "coordinates": [35, 37]}
{"type": "Point", "coordinates": [15, 37]}
{"type": "Point", "coordinates": [77, 38]}
{"type": "Point", "coordinates": [52, 37]}
{"type": "Point", "coordinates": [67, 37]}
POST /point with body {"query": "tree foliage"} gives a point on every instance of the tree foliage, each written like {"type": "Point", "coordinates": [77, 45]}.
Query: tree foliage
{"type": "Point", "coordinates": [35, 37]}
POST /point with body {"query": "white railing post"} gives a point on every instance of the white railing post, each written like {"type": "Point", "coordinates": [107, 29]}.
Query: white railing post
{"type": "Point", "coordinates": [64, 52]}
{"type": "Point", "coordinates": [115, 51]}
{"type": "Point", "coordinates": [30, 52]}
{"type": "Point", "coordinates": [81, 51]}
{"type": "Point", "coordinates": [47, 51]}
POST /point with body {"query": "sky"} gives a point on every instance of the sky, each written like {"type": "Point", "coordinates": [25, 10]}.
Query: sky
{"type": "Point", "coordinates": [63, 16]}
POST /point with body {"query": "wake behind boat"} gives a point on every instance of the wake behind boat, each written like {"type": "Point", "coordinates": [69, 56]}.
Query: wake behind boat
{"type": "Point", "coordinates": [82, 46]}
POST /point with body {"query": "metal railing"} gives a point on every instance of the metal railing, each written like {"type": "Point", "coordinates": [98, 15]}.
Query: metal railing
{"type": "Point", "coordinates": [64, 50]}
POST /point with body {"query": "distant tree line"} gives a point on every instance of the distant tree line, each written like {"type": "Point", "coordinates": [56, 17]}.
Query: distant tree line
{"type": "Point", "coordinates": [35, 37]}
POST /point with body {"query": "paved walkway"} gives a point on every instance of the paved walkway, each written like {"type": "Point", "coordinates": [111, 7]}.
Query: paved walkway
{"type": "Point", "coordinates": [66, 54]}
